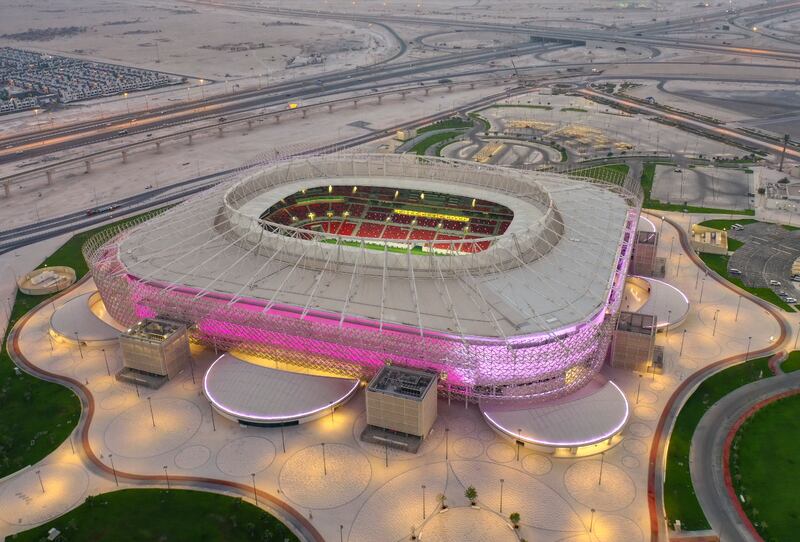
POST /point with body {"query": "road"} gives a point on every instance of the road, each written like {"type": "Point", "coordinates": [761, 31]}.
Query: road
{"type": "Point", "coordinates": [658, 449]}
{"type": "Point", "coordinates": [155, 198]}
{"type": "Point", "coordinates": [707, 452]}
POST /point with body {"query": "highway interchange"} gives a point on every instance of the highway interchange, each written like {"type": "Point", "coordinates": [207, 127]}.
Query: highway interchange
{"type": "Point", "coordinates": [395, 72]}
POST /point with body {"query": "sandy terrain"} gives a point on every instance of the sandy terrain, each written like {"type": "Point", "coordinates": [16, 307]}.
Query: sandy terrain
{"type": "Point", "coordinates": [164, 36]}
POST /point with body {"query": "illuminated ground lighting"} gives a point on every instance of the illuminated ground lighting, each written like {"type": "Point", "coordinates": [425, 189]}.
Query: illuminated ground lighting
{"type": "Point", "coordinates": [585, 422]}
{"type": "Point", "coordinates": [259, 395]}
{"type": "Point", "coordinates": [665, 301]}
{"type": "Point", "coordinates": [81, 317]}
{"type": "Point", "coordinates": [527, 313]}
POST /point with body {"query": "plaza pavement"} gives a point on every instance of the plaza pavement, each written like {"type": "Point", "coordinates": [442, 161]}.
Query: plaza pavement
{"type": "Point", "coordinates": [361, 498]}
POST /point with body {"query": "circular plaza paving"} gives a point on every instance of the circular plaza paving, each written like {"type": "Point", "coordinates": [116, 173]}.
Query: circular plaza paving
{"type": "Point", "coordinates": [246, 455]}
{"type": "Point", "coordinates": [26, 501]}
{"type": "Point", "coordinates": [614, 491]}
{"type": "Point", "coordinates": [315, 481]}
{"type": "Point", "coordinates": [132, 434]}
{"type": "Point", "coordinates": [466, 524]}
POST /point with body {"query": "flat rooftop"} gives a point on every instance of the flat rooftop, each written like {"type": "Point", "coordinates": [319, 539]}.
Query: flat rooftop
{"type": "Point", "coordinates": [403, 382]}
{"type": "Point", "coordinates": [258, 394]}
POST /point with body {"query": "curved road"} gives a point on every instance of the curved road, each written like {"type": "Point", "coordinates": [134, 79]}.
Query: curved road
{"type": "Point", "coordinates": [658, 450]}
{"type": "Point", "coordinates": [708, 453]}
{"type": "Point", "coordinates": [282, 510]}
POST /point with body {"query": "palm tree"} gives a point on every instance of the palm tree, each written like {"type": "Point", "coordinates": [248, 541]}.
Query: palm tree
{"type": "Point", "coordinates": [514, 517]}
{"type": "Point", "coordinates": [472, 494]}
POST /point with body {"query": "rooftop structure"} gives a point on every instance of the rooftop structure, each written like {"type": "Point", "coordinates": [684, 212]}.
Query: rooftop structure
{"type": "Point", "coordinates": [505, 286]}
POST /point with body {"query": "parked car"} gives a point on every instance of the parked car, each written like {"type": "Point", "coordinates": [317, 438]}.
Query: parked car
{"type": "Point", "coordinates": [735, 271]}
{"type": "Point", "coordinates": [774, 283]}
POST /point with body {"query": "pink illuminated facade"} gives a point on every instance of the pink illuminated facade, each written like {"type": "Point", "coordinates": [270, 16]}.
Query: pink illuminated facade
{"type": "Point", "coordinates": [533, 365]}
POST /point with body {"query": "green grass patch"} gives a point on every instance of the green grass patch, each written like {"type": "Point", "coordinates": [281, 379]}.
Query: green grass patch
{"type": "Point", "coordinates": [135, 515]}
{"type": "Point", "coordinates": [719, 264]}
{"type": "Point", "coordinates": [648, 173]}
{"type": "Point", "coordinates": [37, 416]}
{"type": "Point", "coordinates": [527, 106]}
{"type": "Point", "coordinates": [575, 109]}
{"type": "Point", "coordinates": [485, 124]}
{"type": "Point", "coordinates": [790, 228]}
{"type": "Point", "coordinates": [765, 469]}
{"type": "Point", "coordinates": [446, 124]}
{"type": "Point", "coordinates": [792, 362]}
{"type": "Point", "coordinates": [604, 173]}
{"type": "Point", "coordinates": [422, 146]}
{"type": "Point", "coordinates": [680, 500]}
{"type": "Point", "coordinates": [726, 224]}
{"type": "Point", "coordinates": [734, 244]}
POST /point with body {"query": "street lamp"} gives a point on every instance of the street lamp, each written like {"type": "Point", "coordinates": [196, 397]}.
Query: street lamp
{"type": "Point", "coordinates": [447, 434]}
{"type": "Point", "coordinates": [105, 357]}
{"type": "Point", "coordinates": [113, 469]}
{"type": "Point", "coordinates": [324, 464]}
{"type": "Point", "coordinates": [423, 501]}
{"type": "Point", "coordinates": [591, 521]}
{"type": "Point", "coordinates": [255, 494]}
{"type": "Point", "coordinates": [716, 319]}
{"type": "Point", "coordinates": [166, 475]}
{"type": "Point", "coordinates": [501, 495]}
{"type": "Point", "coordinates": [602, 461]}
{"type": "Point", "coordinates": [39, 475]}
{"type": "Point", "coordinates": [152, 417]}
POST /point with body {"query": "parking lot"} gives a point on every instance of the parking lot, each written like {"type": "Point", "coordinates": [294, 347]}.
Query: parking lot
{"type": "Point", "coordinates": [768, 253]}
{"type": "Point", "coordinates": [703, 186]}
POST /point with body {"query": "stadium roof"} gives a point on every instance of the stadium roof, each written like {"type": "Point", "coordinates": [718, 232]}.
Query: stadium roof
{"type": "Point", "coordinates": [551, 269]}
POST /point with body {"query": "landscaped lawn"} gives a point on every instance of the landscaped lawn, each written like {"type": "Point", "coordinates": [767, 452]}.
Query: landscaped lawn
{"type": "Point", "coordinates": [766, 471]}
{"type": "Point", "coordinates": [680, 500]}
{"type": "Point", "coordinates": [607, 172]}
{"type": "Point", "coordinates": [422, 146]}
{"type": "Point", "coordinates": [36, 416]}
{"type": "Point", "coordinates": [720, 224]}
{"type": "Point", "coordinates": [792, 362]}
{"type": "Point", "coordinates": [139, 515]}
{"type": "Point", "coordinates": [452, 122]}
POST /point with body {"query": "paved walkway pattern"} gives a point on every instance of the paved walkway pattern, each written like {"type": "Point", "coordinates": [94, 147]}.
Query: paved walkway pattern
{"type": "Point", "coordinates": [358, 491]}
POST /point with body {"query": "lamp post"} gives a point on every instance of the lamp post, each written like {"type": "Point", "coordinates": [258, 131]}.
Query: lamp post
{"type": "Point", "coordinates": [501, 495]}
{"type": "Point", "coordinates": [678, 268]}
{"type": "Point", "coordinates": [324, 464]}
{"type": "Point", "coordinates": [638, 388]}
{"type": "Point", "coordinates": [447, 437]}
{"type": "Point", "coordinates": [166, 475]}
{"type": "Point", "coordinates": [747, 354]}
{"type": "Point", "coordinates": [77, 340]}
{"type": "Point", "coordinates": [341, 533]}
{"type": "Point", "coordinates": [283, 440]}
{"type": "Point", "coordinates": [702, 288]}
{"type": "Point", "coordinates": [669, 319]}
{"type": "Point", "coordinates": [152, 416]}
{"type": "Point", "coordinates": [113, 469]}
{"type": "Point", "coordinates": [105, 357]}
{"type": "Point", "coordinates": [716, 319]}
{"type": "Point", "coordinates": [683, 339]}
{"type": "Point", "coordinates": [423, 501]}
{"type": "Point", "coordinates": [213, 423]}
{"type": "Point", "coordinates": [738, 304]}
{"type": "Point", "coordinates": [255, 493]}
{"type": "Point", "coordinates": [39, 475]}
{"type": "Point", "coordinates": [591, 521]}
{"type": "Point", "coordinates": [602, 462]}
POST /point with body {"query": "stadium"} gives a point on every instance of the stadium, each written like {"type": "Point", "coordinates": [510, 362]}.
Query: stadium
{"type": "Point", "coordinates": [505, 283]}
